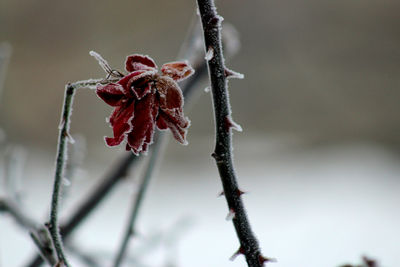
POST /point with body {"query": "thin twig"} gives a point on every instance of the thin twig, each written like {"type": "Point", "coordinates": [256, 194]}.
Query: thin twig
{"type": "Point", "coordinates": [138, 198]}
{"type": "Point", "coordinates": [211, 23]}
{"type": "Point", "coordinates": [43, 242]}
{"type": "Point", "coordinates": [19, 216]}
{"type": "Point", "coordinates": [39, 235]}
{"type": "Point", "coordinates": [58, 177]}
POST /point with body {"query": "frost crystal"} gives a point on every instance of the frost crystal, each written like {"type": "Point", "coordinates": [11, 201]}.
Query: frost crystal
{"type": "Point", "coordinates": [209, 54]}
{"type": "Point", "coordinates": [66, 181]}
{"type": "Point", "coordinates": [102, 62]}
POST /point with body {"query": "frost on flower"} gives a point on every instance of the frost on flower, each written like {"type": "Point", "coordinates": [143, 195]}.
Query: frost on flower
{"type": "Point", "coordinates": [144, 100]}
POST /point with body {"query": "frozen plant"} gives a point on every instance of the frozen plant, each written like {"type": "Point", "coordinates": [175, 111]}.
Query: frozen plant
{"type": "Point", "coordinates": [144, 99]}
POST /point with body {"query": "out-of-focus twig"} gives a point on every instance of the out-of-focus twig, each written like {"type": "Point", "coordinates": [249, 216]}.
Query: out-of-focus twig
{"type": "Point", "coordinates": [20, 217]}
{"type": "Point", "coordinates": [43, 242]}
{"type": "Point", "coordinates": [15, 160]}
{"type": "Point", "coordinates": [138, 198]}
{"type": "Point", "coordinates": [77, 155]}
{"type": "Point", "coordinates": [39, 235]}
{"type": "Point", "coordinates": [366, 262]}
{"type": "Point", "coordinates": [5, 54]}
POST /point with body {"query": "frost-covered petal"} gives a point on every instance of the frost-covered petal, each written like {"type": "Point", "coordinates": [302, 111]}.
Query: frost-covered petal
{"type": "Point", "coordinates": [171, 101]}
{"type": "Point", "coordinates": [127, 80]}
{"type": "Point", "coordinates": [139, 62]}
{"type": "Point", "coordinates": [121, 122]}
{"type": "Point", "coordinates": [178, 132]}
{"type": "Point", "coordinates": [111, 93]}
{"type": "Point", "coordinates": [137, 83]}
{"type": "Point", "coordinates": [161, 123]}
{"type": "Point", "coordinates": [178, 70]}
{"type": "Point", "coordinates": [141, 87]}
{"type": "Point", "coordinates": [143, 123]}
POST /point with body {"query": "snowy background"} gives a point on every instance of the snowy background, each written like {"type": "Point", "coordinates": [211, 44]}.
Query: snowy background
{"type": "Point", "coordinates": [319, 155]}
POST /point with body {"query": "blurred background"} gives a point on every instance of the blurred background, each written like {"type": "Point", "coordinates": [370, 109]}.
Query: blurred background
{"type": "Point", "coordinates": [319, 106]}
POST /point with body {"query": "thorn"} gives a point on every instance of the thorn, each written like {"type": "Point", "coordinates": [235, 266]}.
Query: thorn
{"type": "Point", "coordinates": [222, 193]}
{"type": "Point", "coordinates": [217, 158]}
{"type": "Point", "coordinates": [230, 124]}
{"type": "Point", "coordinates": [369, 262]}
{"type": "Point", "coordinates": [263, 259]}
{"type": "Point", "coordinates": [230, 74]}
{"type": "Point", "coordinates": [237, 253]}
{"type": "Point", "coordinates": [231, 215]}
{"type": "Point", "coordinates": [69, 137]}
{"type": "Point", "coordinates": [240, 192]}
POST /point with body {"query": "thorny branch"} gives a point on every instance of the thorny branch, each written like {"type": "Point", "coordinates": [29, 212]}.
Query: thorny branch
{"type": "Point", "coordinates": [52, 225]}
{"type": "Point", "coordinates": [211, 23]}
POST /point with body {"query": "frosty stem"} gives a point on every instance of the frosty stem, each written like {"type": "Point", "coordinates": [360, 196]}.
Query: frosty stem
{"type": "Point", "coordinates": [211, 23]}
{"type": "Point", "coordinates": [58, 177]}
{"type": "Point", "coordinates": [138, 198]}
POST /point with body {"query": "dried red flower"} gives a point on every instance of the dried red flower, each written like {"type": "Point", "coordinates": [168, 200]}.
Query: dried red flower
{"type": "Point", "coordinates": [144, 99]}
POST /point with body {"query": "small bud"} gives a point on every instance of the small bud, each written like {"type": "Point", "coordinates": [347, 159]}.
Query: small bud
{"type": "Point", "coordinates": [222, 193]}
{"type": "Point", "coordinates": [207, 89]}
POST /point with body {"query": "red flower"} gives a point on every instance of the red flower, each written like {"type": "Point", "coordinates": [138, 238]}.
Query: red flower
{"type": "Point", "coordinates": [144, 99]}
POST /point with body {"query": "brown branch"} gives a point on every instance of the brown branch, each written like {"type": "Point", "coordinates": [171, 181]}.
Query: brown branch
{"type": "Point", "coordinates": [211, 23]}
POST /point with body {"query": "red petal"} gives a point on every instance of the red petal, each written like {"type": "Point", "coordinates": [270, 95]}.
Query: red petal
{"type": "Point", "coordinates": [121, 121]}
{"type": "Point", "coordinates": [127, 80]}
{"type": "Point", "coordinates": [141, 87]}
{"type": "Point", "coordinates": [143, 123]}
{"type": "Point", "coordinates": [111, 93]}
{"type": "Point", "coordinates": [178, 70]}
{"type": "Point", "coordinates": [171, 101]}
{"type": "Point", "coordinates": [161, 123]}
{"type": "Point", "coordinates": [139, 62]}
{"type": "Point", "coordinates": [179, 133]}
{"type": "Point", "coordinates": [137, 83]}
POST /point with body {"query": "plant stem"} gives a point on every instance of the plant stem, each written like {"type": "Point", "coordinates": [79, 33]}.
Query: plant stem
{"type": "Point", "coordinates": [58, 177]}
{"type": "Point", "coordinates": [138, 197]}
{"type": "Point", "coordinates": [211, 23]}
